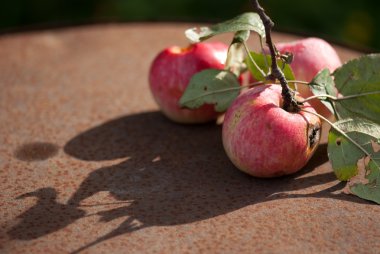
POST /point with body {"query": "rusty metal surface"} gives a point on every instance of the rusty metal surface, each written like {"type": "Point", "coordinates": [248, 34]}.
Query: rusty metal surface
{"type": "Point", "coordinates": [88, 164]}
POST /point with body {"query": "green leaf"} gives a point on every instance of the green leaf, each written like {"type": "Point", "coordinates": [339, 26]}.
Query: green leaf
{"type": "Point", "coordinates": [361, 77]}
{"type": "Point", "coordinates": [349, 141]}
{"type": "Point", "coordinates": [264, 62]}
{"type": "Point", "coordinates": [343, 156]}
{"type": "Point", "coordinates": [323, 84]}
{"type": "Point", "coordinates": [371, 190]}
{"type": "Point", "coordinates": [249, 21]}
{"type": "Point", "coordinates": [374, 171]}
{"type": "Point", "coordinates": [368, 191]}
{"type": "Point", "coordinates": [211, 86]}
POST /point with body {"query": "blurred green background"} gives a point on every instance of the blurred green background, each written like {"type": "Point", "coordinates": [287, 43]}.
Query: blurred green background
{"type": "Point", "coordinates": [351, 23]}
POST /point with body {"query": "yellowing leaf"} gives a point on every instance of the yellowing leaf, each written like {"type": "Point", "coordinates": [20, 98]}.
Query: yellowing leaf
{"type": "Point", "coordinates": [264, 62]}
{"type": "Point", "coordinates": [349, 141]}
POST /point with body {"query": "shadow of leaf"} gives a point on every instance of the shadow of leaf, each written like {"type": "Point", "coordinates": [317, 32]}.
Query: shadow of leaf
{"type": "Point", "coordinates": [173, 174]}
{"type": "Point", "coordinates": [45, 217]}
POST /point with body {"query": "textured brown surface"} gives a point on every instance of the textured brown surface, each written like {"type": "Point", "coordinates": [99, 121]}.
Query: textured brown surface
{"type": "Point", "coordinates": [88, 163]}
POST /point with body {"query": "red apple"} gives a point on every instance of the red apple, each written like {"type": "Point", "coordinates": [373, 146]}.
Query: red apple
{"type": "Point", "coordinates": [310, 56]}
{"type": "Point", "coordinates": [264, 140]}
{"type": "Point", "coordinates": [171, 72]}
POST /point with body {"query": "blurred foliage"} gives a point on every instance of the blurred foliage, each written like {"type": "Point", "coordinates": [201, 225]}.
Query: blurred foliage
{"type": "Point", "coordinates": [349, 22]}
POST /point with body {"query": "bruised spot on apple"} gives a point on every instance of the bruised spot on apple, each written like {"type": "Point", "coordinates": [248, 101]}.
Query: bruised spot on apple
{"type": "Point", "coordinates": [311, 55]}
{"type": "Point", "coordinates": [267, 141]}
{"type": "Point", "coordinates": [171, 72]}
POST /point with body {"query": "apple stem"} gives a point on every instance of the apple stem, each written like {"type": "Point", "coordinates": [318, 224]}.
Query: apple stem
{"type": "Point", "coordinates": [290, 103]}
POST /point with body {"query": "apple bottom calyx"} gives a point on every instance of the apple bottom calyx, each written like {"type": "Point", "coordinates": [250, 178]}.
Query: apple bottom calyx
{"type": "Point", "coordinates": [264, 140]}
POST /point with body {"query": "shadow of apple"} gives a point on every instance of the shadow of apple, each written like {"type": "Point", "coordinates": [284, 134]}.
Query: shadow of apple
{"type": "Point", "coordinates": [173, 174]}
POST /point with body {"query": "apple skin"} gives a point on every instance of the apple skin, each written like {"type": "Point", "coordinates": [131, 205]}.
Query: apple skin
{"type": "Point", "coordinates": [264, 140]}
{"type": "Point", "coordinates": [171, 72]}
{"type": "Point", "coordinates": [311, 55]}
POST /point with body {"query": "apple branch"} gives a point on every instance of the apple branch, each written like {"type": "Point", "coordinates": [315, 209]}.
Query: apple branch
{"type": "Point", "coordinates": [290, 103]}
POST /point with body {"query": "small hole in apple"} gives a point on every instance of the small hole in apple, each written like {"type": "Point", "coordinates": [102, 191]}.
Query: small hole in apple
{"type": "Point", "coordinates": [338, 141]}
{"type": "Point", "coordinates": [205, 88]}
